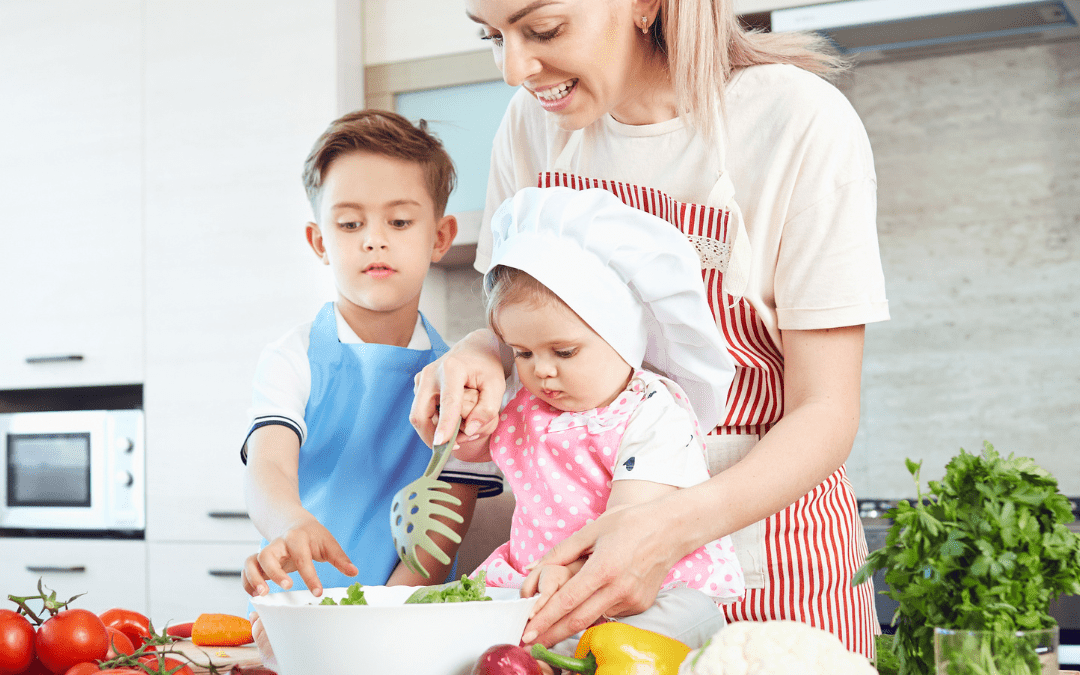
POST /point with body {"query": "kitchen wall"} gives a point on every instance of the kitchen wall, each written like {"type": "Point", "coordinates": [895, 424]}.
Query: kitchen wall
{"type": "Point", "coordinates": [978, 160]}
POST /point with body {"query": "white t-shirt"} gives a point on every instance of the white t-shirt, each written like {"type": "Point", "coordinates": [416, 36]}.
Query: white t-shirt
{"type": "Point", "coordinates": [282, 387]}
{"type": "Point", "coordinates": [803, 172]}
{"type": "Point", "coordinates": [659, 436]}
{"type": "Point", "coordinates": [660, 439]}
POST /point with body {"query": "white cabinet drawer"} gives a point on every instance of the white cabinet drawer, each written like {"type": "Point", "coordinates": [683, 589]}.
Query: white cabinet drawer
{"type": "Point", "coordinates": [187, 580]}
{"type": "Point", "coordinates": [111, 573]}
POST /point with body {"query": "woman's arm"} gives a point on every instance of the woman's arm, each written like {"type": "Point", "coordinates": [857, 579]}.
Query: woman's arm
{"type": "Point", "coordinates": [475, 362]}
{"type": "Point", "coordinates": [634, 548]}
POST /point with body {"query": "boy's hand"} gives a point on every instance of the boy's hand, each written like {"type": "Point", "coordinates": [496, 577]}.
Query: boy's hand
{"type": "Point", "coordinates": [291, 552]}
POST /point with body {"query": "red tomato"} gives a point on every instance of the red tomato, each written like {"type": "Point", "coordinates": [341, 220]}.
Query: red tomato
{"type": "Point", "coordinates": [134, 625]}
{"type": "Point", "coordinates": [84, 668]}
{"type": "Point", "coordinates": [69, 638]}
{"type": "Point", "coordinates": [36, 668]}
{"type": "Point", "coordinates": [119, 671]}
{"type": "Point", "coordinates": [180, 630]}
{"type": "Point", "coordinates": [118, 643]}
{"type": "Point", "coordinates": [165, 664]}
{"type": "Point", "coordinates": [16, 642]}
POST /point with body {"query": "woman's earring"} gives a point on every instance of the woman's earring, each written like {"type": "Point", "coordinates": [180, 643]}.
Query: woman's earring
{"type": "Point", "coordinates": [644, 25]}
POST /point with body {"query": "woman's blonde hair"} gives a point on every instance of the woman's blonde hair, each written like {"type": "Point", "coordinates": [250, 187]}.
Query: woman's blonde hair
{"type": "Point", "coordinates": [691, 33]}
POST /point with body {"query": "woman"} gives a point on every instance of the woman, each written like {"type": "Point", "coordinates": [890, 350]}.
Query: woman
{"type": "Point", "coordinates": [767, 170]}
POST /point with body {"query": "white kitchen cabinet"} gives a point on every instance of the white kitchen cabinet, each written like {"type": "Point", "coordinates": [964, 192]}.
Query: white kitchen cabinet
{"type": "Point", "coordinates": [231, 114]}
{"type": "Point", "coordinates": [111, 573]}
{"type": "Point", "coordinates": [189, 579]}
{"type": "Point", "coordinates": [70, 127]}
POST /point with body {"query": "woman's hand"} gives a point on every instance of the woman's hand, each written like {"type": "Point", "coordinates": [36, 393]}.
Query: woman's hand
{"type": "Point", "coordinates": [473, 363]}
{"type": "Point", "coordinates": [258, 632]}
{"type": "Point", "coordinates": [630, 552]}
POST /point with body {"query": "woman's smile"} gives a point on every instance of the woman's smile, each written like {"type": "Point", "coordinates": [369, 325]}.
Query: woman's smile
{"type": "Point", "coordinates": [557, 97]}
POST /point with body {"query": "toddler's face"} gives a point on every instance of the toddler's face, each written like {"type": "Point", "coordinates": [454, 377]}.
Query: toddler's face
{"type": "Point", "coordinates": [559, 358]}
{"type": "Point", "coordinates": [378, 232]}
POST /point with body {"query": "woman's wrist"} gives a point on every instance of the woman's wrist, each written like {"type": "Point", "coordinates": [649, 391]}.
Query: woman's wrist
{"type": "Point", "coordinates": [691, 518]}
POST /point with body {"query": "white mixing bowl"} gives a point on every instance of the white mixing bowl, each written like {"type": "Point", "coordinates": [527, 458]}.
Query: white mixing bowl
{"type": "Point", "coordinates": [386, 635]}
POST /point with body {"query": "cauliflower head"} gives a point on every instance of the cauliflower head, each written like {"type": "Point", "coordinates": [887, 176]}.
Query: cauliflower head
{"type": "Point", "coordinates": [774, 648]}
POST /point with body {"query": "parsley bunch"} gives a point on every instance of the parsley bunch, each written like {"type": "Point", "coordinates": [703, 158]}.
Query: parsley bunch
{"type": "Point", "coordinates": [986, 549]}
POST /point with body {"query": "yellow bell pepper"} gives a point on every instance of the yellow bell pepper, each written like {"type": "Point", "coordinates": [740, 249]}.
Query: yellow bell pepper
{"type": "Point", "coordinates": [616, 648]}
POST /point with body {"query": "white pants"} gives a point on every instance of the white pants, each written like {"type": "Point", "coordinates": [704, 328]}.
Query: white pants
{"type": "Point", "coordinates": [685, 614]}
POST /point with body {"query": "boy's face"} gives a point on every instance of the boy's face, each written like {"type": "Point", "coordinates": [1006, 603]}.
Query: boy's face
{"type": "Point", "coordinates": [560, 358]}
{"type": "Point", "coordinates": [378, 232]}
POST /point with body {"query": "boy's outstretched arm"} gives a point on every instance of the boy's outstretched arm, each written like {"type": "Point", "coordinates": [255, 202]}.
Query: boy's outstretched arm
{"type": "Point", "coordinates": [271, 489]}
{"type": "Point", "coordinates": [402, 576]}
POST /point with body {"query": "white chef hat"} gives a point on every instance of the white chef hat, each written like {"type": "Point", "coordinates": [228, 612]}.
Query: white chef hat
{"type": "Point", "coordinates": [633, 277]}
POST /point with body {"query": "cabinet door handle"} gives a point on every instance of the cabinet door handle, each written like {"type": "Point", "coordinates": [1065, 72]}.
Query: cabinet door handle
{"type": "Point", "coordinates": [229, 515]}
{"type": "Point", "coordinates": [55, 569]}
{"type": "Point", "coordinates": [54, 358]}
{"type": "Point", "coordinates": [224, 573]}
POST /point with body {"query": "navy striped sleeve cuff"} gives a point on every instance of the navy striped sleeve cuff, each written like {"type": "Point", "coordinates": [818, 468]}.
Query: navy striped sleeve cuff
{"type": "Point", "coordinates": [490, 486]}
{"type": "Point", "coordinates": [265, 421]}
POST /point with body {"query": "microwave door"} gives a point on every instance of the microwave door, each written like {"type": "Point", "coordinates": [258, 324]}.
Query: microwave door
{"type": "Point", "coordinates": [55, 477]}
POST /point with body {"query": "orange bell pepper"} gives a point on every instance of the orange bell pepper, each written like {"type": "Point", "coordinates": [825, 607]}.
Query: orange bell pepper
{"type": "Point", "coordinates": [221, 630]}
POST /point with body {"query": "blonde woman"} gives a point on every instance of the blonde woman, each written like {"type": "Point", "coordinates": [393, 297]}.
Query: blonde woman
{"type": "Point", "coordinates": [736, 139]}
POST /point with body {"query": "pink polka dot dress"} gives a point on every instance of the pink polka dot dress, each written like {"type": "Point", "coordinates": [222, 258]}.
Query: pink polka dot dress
{"type": "Point", "coordinates": [559, 466]}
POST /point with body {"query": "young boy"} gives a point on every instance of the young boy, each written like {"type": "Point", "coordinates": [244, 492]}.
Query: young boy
{"type": "Point", "coordinates": [330, 441]}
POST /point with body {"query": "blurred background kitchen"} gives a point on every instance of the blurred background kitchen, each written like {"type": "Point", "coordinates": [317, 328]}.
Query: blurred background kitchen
{"type": "Point", "coordinates": [152, 239]}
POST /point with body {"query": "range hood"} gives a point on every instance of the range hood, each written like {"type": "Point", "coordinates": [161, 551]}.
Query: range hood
{"type": "Point", "coordinates": [874, 30]}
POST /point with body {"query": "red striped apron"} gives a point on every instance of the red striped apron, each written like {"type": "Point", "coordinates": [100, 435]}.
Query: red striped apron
{"type": "Point", "coordinates": [799, 562]}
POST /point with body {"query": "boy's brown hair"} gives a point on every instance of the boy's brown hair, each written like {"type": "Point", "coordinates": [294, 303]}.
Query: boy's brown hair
{"type": "Point", "coordinates": [382, 133]}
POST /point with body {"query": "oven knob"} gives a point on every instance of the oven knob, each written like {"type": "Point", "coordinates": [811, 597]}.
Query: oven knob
{"type": "Point", "coordinates": [125, 479]}
{"type": "Point", "coordinates": [125, 445]}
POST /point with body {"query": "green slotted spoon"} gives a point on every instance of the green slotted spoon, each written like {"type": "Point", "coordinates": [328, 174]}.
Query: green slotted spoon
{"type": "Point", "coordinates": [413, 510]}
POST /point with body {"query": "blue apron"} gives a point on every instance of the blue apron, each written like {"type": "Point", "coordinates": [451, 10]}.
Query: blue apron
{"type": "Point", "coordinates": [360, 448]}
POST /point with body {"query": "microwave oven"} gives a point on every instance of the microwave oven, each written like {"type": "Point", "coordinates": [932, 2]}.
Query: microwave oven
{"type": "Point", "coordinates": [73, 473]}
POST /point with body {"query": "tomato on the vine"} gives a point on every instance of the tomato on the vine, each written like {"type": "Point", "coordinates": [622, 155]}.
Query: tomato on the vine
{"type": "Point", "coordinates": [37, 668]}
{"type": "Point", "coordinates": [84, 668]}
{"type": "Point", "coordinates": [16, 642]}
{"type": "Point", "coordinates": [118, 643]}
{"type": "Point", "coordinates": [69, 638]}
{"type": "Point", "coordinates": [165, 664]}
{"type": "Point", "coordinates": [134, 625]}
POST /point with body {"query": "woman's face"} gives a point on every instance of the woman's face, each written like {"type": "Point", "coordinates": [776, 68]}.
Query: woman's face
{"type": "Point", "coordinates": [578, 58]}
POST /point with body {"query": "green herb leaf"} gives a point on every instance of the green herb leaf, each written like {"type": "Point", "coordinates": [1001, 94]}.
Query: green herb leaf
{"type": "Point", "coordinates": [985, 549]}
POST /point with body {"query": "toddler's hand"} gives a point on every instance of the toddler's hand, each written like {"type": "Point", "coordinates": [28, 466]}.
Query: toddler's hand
{"type": "Point", "coordinates": [467, 448]}
{"type": "Point", "coordinates": [544, 580]}
{"type": "Point", "coordinates": [295, 551]}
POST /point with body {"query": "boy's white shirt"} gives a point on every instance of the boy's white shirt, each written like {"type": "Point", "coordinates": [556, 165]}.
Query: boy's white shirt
{"type": "Point", "coordinates": [282, 387]}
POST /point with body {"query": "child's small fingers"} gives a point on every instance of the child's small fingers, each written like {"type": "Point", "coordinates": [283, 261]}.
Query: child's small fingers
{"type": "Point", "coordinates": [251, 578]}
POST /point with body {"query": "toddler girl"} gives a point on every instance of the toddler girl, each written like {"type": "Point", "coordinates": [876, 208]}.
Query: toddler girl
{"type": "Point", "coordinates": [589, 427]}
